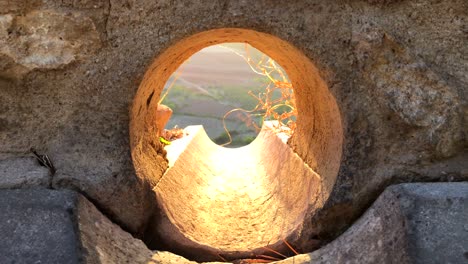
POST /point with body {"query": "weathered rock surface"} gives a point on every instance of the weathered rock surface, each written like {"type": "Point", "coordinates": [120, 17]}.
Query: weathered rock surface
{"type": "Point", "coordinates": [409, 223]}
{"type": "Point", "coordinates": [397, 70]}
{"type": "Point", "coordinates": [23, 172]}
{"type": "Point", "coordinates": [45, 39]}
{"type": "Point", "coordinates": [51, 226]}
{"type": "Point", "coordinates": [408, 88]}
{"type": "Point", "coordinates": [48, 226]}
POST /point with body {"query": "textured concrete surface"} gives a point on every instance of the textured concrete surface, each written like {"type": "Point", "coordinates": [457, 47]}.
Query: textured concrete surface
{"type": "Point", "coordinates": [409, 223]}
{"type": "Point", "coordinates": [396, 69]}
{"type": "Point", "coordinates": [45, 39]}
{"type": "Point", "coordinates": [23, 172]}
{"type": "Point", "coordinates": [232, 202]}
{"type": "Point", "coordinates": [48, 226]}
{"type": "Point", "coordinates": [37, 226]}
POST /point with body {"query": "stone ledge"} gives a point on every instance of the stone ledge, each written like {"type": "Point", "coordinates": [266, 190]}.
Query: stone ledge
{"type": "Point", "coordinates": [408, 223]}
{"type": "Point", "coordinates": [22, 172]}
{"type": "Point", "coordinates": [49, 226]}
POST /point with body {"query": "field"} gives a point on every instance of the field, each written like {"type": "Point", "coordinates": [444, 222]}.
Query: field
{"type": "Point", "coordinates": [211, 83]}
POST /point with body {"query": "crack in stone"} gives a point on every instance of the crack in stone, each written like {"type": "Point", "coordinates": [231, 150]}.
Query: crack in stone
{"type": "Point", "coordinates": [106, 23]}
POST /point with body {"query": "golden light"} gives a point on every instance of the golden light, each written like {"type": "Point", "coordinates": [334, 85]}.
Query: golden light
{"type": "Point", "coordinates": [231, 203]}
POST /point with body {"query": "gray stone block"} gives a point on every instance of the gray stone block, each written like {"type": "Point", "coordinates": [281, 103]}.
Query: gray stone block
{"type": "Point", "coordinates": [409, 223]}
{"type": "Point", "coordinates": [49, 226]}
{"type": "Point", "coordinates": [37, 226]}
{"type": "Point", "coordinates": [436, 221]}
{"type": "Point", "coordinates": [22, 172]}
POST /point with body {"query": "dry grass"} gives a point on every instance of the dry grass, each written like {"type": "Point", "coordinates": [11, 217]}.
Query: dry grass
{"type": "Point", "coordinates": [276, 256]}
{"type": "Point", "coordinates": [277, 102]}
{"type": "Point", "coordinates": [172, 134]}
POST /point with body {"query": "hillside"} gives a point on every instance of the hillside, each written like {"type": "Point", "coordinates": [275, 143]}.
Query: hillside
{"type": "Point", "coordinates": [212, 82]}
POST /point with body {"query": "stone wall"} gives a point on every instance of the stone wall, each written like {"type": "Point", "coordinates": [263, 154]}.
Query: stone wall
{"type": "Point", "coordinates": [69, 71]}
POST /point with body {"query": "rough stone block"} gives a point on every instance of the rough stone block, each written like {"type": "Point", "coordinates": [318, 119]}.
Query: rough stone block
{"type": "Point", "coordinates": [409, 223]}
{"type": "Point", "coordinates": [49, 226]}
{"type": "Point", "coordinates": [22, 172]}
{"type": "Point", "coordinates": [46, 39]}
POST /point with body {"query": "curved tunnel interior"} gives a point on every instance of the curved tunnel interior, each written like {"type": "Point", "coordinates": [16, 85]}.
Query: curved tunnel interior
{"type": "Point", "coordinates": [233, 200]}
{"type": "Point", "coordinates": [215, 201]}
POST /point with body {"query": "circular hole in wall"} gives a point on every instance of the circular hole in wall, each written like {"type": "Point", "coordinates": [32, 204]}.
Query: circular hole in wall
{"type": "Point", "coordinates": [217, 203]}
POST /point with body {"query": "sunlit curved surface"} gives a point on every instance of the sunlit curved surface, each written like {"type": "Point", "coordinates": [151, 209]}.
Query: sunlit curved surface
{"type": "Point", "coordinates": [317, 140]}
{"type": "Point", "coordinates": [233, 200]}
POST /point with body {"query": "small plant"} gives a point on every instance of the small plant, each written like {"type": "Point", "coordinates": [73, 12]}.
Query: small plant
{"type": "Point", "coordinates": [276, 102]}
{"type": "Point", "coordinates": [164, 141]}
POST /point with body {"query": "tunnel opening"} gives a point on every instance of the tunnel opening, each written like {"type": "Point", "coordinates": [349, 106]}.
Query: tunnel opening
{"type": "Point", "coordinates": [215, 203]}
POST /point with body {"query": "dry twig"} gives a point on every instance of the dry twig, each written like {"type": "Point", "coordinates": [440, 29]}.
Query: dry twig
{"type": "Point", "coordinates": [282, 109]}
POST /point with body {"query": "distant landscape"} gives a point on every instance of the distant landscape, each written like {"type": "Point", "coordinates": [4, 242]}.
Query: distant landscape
{"type": "Point", "coordinates": [211, 83]}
